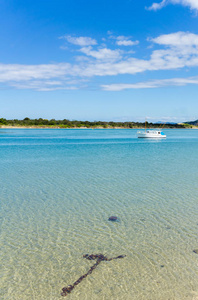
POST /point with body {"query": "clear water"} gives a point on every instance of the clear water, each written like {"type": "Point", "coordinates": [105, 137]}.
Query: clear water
{"type": "Point", "coordinates": [58, 189]}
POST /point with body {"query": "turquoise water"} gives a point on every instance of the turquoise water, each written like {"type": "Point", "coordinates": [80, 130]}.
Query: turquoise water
{"type": "Point", "coordinates": [58, 189]}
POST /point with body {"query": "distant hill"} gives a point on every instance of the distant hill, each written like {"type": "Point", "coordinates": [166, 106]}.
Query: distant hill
{"type": "Point", "coordinates": [195, 123]}
{"type": "Point", "coordinates": [171, 123]}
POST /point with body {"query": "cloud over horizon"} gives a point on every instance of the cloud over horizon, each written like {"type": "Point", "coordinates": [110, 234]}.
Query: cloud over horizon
{"type": "Point", "coordinates": [157, 83]}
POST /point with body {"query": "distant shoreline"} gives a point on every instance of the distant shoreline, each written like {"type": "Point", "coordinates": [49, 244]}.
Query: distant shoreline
{"type": "Point", "coordinates": [95, 127]}
{"type": "Point", "coordinates": [76, 124]}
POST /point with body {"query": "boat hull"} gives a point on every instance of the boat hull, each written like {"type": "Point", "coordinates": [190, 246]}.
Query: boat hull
{"type": "Point", "coordinates": [151, 135]}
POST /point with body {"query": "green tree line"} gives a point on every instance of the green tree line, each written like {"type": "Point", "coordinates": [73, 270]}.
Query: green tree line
{"type": "Point", "coordinates": [27, 122]}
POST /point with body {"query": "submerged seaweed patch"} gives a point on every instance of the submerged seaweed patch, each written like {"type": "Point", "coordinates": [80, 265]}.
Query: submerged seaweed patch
{"type": "Point", "coordinates": [98, 258]}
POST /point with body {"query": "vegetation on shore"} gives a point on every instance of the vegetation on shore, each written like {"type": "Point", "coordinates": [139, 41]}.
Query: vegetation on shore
{"type": "Point", "coordinates": [44, 123]}
{"type": "Point", "coordinates": [192, 123]}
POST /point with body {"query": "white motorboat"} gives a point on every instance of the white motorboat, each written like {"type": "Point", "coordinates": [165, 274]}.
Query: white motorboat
{"type": "Point", "coordinates": [151, 134]}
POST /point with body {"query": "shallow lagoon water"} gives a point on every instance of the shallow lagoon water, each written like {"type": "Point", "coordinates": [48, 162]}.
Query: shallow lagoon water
{"type": "Point", "coordinates": [58, 189]}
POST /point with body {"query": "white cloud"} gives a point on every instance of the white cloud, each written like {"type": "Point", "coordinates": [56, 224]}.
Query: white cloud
{"type": "Point", "coordinates": [38, 77]}
{"type": "Point", "coordinates": [151, 84]}
{"type": "Point", "coordinates": [43, 86]}
{"type": "Point", "coordinates": [17, 72]}
{"type": "Point", "coordinates": [178, 39]}
{"type": "Point", "coordinates": [109, 32]}
{"type": "Point", "coordinates": [157, 6]}
{"type": "Point", "coordinates": [181, 50]}
{"type": "Point", "coordinates": [127, 43]}
{"type": "Point", "coordinates": [175, 51]}
{"type": "Point", "coordinates": [193, 4]}
{"type": "Point", "coordinates": [102, 54]}
{"type": "Point", "coordinates": [122, 40]}
{"type": "Point", "coordinates": [80, 41]}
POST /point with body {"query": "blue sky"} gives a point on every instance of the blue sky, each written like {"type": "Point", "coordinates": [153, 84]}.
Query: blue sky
{"type": "Point", "coordinates": [99, 60]}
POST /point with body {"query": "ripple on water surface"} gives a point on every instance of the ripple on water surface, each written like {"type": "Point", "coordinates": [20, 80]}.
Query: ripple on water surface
{"type": "Point", "coordinates": [56, 198]}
